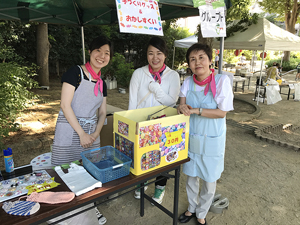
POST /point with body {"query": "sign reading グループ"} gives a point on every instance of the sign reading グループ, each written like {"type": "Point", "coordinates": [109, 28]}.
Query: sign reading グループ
{"type": "Point", "coordinates": [212, 17]}
{"type": "Point", "coordinates": [139, 16]}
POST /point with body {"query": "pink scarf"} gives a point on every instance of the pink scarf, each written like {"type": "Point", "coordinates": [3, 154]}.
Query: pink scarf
{"type": "Point", "coordinates": [210, 80]}
{"type": "Point", "coordinates": [99, 82]}
{"type": "Point", "coordinates": [157, 74]}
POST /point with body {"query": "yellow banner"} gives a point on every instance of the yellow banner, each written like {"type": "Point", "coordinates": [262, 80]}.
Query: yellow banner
{"type": "Point", "coordinates": [173, 138]}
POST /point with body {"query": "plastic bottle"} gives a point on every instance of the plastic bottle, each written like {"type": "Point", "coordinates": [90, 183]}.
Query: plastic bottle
{"type": "Point", "coordinates": [8, 160]}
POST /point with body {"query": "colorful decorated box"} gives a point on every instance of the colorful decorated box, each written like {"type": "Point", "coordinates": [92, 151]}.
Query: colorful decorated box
{"type": "Point", "coordinates": [151, 143]}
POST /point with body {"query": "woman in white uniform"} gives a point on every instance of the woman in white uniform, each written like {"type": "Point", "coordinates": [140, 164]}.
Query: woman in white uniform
{"type": "Point", "coordinates": [206, 98]}
{"type": "Point", "coordinates": [153, 85]}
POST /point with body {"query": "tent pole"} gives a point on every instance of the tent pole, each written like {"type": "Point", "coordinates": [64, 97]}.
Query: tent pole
{"type": "Point", "coordinates": [82, 42]}
{"type": "Point", "coordinates": [173, 58]}
{"type": "Point", "coordinates": [221, 54]}
{"type": "Point", "coordinates": [261, 66]}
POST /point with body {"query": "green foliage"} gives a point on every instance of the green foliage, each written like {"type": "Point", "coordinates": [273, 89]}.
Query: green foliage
{"type": "Point", "coordinates": [119, 69]}
{"type": "Point", "coordinates": [230, 57]}
{"type": "Point", "coordinates": [283, 9]}
{"type": "Point", "coordinates": [286, 65]}
{"type": "Point", "coordinates": [239, 10]}
{"type": "Point", "coordinates": [172, 33]}
{"type": "Point", "coordinates": [15, 83]}
{"type": "Point", "coordinates": [19, 39]}
{"type": "Point", "coordinates": [241, 25]}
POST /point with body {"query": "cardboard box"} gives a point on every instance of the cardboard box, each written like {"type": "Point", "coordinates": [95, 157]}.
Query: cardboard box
{"type": "Point", "coordinates": [153, 143]}
{"type": "Point", "coordinates": [106, 134]}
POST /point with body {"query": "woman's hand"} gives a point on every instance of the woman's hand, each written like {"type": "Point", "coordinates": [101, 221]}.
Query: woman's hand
{"type": "Point", "coordinates": [184, 109]}
{"type": "Point", "coordinates": [86, 140]}
{"type": "Point", "coordinates": [95, 135]}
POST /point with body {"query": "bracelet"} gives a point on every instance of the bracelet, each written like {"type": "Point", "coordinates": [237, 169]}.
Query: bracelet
{"type": "Point", "coordinates": [200, 111]}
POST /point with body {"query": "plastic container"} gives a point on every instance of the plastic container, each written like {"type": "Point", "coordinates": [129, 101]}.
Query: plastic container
{"type": "Point", "coordinates": [8, 160]}
{"type": "Point", "coordinates": [106, 163]}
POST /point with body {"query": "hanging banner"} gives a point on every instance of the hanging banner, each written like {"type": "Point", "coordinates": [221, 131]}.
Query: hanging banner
{"type": "Point", "coordinates": [214, 3]}
{"type": "Point", "coordinates": [139, 16]}
{"type": "Point", "coordinates": [212, 21]}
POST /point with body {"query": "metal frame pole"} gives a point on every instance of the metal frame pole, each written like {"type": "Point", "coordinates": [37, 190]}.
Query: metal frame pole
{"type": "Point", "coordinates": [173, 58]}
{"type": "Point", "coordinates": [82, 42]}
{"type": "Point", "coordinates": [261, 66]}
{"type": "Point", "coordinates": [221, 55]}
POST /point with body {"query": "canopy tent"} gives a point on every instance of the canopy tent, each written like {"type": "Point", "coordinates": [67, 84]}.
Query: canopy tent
{"type": "Point", "coordinates": [186, 42]}
{"type": "Point", "coordinates": [263, 36]}
{"type": "Point", "coordinates": [83, 12]}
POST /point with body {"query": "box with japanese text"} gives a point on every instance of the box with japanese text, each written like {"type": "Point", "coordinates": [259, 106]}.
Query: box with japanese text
{"type": "Point", "coordinates": [152, 137]}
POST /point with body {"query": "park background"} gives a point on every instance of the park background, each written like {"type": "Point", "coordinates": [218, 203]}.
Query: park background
{"type": "Point", "coordinates": [260, 178]}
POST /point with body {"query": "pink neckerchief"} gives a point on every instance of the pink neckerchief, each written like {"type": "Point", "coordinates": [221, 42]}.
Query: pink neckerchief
{"type": "Point", "coordinates": [156, 74]}
{"type": "Point", "coordinates": [210, 80]}
{"type": "Point", "coordinates": [99, 82]}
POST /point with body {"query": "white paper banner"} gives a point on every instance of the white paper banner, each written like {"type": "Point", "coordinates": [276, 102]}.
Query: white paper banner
{"type": "Point", "coordinates": [139, 16]}
{"type": "Point", "coordinates": [212, 21]}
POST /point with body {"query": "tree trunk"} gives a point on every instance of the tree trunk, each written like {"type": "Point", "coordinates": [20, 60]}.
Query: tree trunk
{"type": "Point", "coordinates": [286, 56]}
{"type": "Point", "coordinates": [291, 16]}
{"type": "Point", "coordinates": [42, 54]}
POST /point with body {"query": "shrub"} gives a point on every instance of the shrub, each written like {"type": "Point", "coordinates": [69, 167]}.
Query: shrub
{"type": "Point", "coordinates": [286, 65]}
{"type": "Point", "coordinates": [15, 83]}
{"type": "Point", "coordinates": [119, 69]}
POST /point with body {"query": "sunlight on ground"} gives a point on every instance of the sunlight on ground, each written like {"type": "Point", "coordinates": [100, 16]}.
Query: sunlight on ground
{"type": "Point", "coordinates": [33, 125]}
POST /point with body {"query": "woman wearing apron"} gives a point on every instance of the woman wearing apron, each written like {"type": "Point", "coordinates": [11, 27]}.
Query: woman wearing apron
{"type": "Point", "coordinates": [206, 98]}
{"type": "Point", "coordinates": [82, 114]}
{"type": "Point", "coordinates": [153, 85]}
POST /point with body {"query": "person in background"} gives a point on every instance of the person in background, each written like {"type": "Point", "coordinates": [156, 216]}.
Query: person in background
{"type": "Point", "coordinates": [272, 72]}
{"type": "Point", "coordinates": [82, 114]}
{"type": "Point", "coordinates": [206, 98]}
{"type": "Point", "coordinates": [243, 59]}
{"type": "Point", "coordinates": [217, 61]}
{"type": "Point", "coordinates": [298, 72]}
{"type": "Point", "coordinates": [153, 85]}
{"type": "Point", "coordinates": [189, 72]}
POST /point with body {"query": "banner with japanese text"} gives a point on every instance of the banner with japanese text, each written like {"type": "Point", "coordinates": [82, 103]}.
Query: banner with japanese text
{"type": "Point", "coordinates": [212, 19]}
{"type": "Point", "coordinates": [139, 16]}
{"type": "Point", "coordinates": [214, 3]}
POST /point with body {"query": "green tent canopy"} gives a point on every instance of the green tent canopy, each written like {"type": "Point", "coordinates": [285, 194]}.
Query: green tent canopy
{"type": "Point", "coordinates": [83, 12]}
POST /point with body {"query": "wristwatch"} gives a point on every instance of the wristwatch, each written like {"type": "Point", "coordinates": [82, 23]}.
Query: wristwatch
{"type": "Point", "coordinates": [200, 111]}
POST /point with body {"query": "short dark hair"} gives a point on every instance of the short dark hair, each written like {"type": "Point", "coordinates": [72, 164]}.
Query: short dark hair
{"type": "Point", "coordinates": [158, 43]}
{"type": "Point", "coordinates": [198, 47]}
{"type": "Point", "coordinates": [98, 42]}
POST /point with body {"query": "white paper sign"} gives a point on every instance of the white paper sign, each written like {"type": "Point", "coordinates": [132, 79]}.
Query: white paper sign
{"type": "Point", "coordinates": [139, 16]}
{"type": "Point", "coordinates": [212, 21]}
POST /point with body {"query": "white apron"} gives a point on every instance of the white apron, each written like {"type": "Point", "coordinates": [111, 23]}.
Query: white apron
{"type": "Point", "coordinates": [207, 137]}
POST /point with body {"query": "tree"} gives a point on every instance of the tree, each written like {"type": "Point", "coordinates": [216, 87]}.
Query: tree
{"type": "Point", "coordinates": [42, 53]}
{"type": "Point", "coordinates": [288, 11]}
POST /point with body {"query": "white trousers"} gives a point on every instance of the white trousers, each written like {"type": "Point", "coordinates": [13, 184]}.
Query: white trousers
{"type": "Point", "coordinates": [200, 204]}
